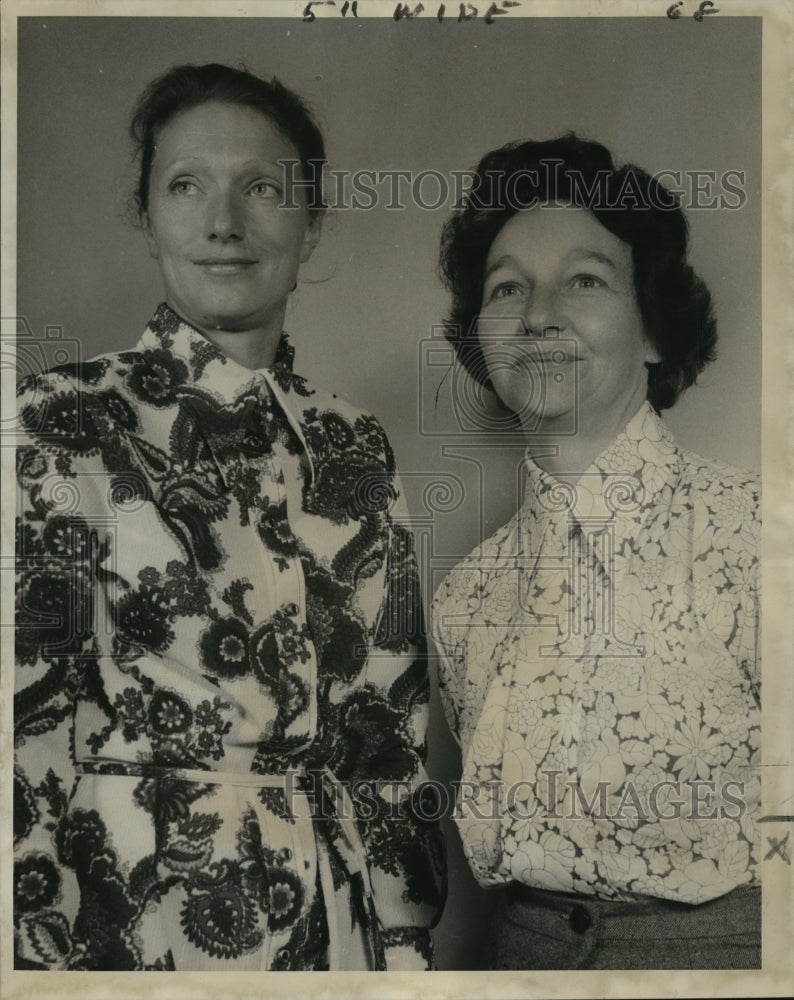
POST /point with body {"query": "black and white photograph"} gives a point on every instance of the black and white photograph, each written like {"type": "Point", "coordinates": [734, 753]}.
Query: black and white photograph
{"type": "Point", "coordinates": [396, 528]}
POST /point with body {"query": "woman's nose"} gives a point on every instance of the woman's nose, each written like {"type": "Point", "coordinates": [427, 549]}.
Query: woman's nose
{"type": "Point", "coordinates": [225, 217]}
{"type": "Point", "coordinates": [541, 314]}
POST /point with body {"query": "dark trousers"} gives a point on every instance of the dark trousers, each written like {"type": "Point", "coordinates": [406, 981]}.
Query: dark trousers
{"type": "Point", "coordinates": [538, 929]}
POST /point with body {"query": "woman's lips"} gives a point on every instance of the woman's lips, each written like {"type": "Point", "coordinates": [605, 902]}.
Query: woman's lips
{"type": "Point", "coordinates": [225, 266]}
{"type": "Point", "coordinates": [535, 368]}
{"type": "Point", "coordinates": [552, 359]}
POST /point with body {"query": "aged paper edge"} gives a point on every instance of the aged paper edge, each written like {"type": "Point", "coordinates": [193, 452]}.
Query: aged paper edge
{"type": "Point", "coordinates": [777, 976]}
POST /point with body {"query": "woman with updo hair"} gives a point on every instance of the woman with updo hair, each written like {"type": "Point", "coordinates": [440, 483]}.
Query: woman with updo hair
{"type": "Point", "coordinates": [221, 692]}
{"type": "Point", "coordinates": [599, 654]}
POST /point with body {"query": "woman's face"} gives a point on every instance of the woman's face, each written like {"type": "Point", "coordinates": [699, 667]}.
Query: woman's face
{"type": "Point", "coordinates": [556, 274]}
{"type": "Point", "coordinates": [228, 254]}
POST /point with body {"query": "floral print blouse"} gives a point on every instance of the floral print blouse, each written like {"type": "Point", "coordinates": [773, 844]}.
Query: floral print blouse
{"type": "Point", "coordinates": [221, 693]}
{"type": "Point", "coordinates": [600, 669]}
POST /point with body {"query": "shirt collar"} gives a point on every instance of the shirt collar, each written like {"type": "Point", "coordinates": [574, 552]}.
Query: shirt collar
{"type": "Point", "coordinates": [209, 367]}
{"type": "Point", "coordinates": [169, 338]}
{"type": "Point", "coordinates": [623, 480]}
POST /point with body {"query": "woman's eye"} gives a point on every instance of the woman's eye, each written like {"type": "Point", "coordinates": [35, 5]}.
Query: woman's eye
{"type": "Point", "coordinates": [505, 290]}
{"type": "Point", "coordinates": [265, 189]}
{"type": "Point", "coordinates": [587, 281]}
{"type": "Point", "coordinates": [182, 187]}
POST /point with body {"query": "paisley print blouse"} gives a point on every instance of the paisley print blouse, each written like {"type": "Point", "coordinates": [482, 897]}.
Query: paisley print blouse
{"type": "Point", "coordinates": [221, 693]}
{"type": "Point", "coordinates": [600, 668]}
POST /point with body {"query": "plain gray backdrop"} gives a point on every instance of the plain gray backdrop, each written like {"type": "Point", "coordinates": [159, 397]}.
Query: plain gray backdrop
{"type": "Point", "coordinates": [412, 95]}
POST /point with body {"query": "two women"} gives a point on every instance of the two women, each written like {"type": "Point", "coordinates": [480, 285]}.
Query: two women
{"type": "Point", "coordinates": [212, 560]}
{"type": "Point", "coordinates": [220, 715]}
{"type": "Point", "coordinates": [599, 653]}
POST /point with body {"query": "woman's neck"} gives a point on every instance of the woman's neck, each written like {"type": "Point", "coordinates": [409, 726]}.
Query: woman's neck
{"type": "Point", "coordinates": [250, 346]}
{"type": "Point", "coordinates": [571, 455]}
{"type": "Point", "coordinates": [569, 459]}
{"type": "Point", "coordinates": [250, 349]}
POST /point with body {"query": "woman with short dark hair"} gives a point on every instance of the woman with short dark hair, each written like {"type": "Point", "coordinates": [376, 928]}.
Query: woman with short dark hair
{"type": "Point", "coordinates": [220, 707]}
{"type": "Point", "coordinates": [674, 303]}
{"type": "Point", "coordinates": [599, 653]}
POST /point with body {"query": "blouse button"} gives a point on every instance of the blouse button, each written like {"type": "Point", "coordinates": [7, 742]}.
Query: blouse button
{"type": "Point", "coordinates": [283, 954]}
{"type": "Point", "coordinates": [579, 919]}
{"type": "Point", "coordinates": [292, 609]}
{"type": "Point", "coordinates": [285, 854]}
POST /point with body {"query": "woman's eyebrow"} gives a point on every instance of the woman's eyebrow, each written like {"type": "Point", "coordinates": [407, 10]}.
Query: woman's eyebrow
{"type": "Point", "coordinates": [253, 164]}
{"type": "Point", "coordinates": [499, 262]}
{"type": "Point", "coordinates": [586, 253]}
{"type": "Point", "coordinates": [576, 254]}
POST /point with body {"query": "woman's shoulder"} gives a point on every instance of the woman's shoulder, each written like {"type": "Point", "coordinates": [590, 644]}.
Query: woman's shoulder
{"type": "Point", "coordinates": [315, 396]}
{"type": "Point", "coordinates": [60, 406]}
{"type": "Point", "coordinates": [712, 477]}
{"type": "Point", "coordinates": [471, 573]}
{"type": "Point", "coordinates": [723, 502]}
{"type": "Point", "coordinates": [332, 423]}
{"type": "Point", "coordinates": [78, 376]}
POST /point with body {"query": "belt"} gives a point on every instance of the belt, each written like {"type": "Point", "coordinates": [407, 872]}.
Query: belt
{"type": "Point", "coordinates": [518, 892]}
{"type": "Point", "coordinates": [578, 906]}
{"type": "Point", "coordinates": [125, 769]}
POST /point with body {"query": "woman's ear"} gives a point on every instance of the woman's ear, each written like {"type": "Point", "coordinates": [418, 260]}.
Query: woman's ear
{"type": "Point", "coordinates": [148, 233]}
{"type": "Point", "coordinates": [312, 236]}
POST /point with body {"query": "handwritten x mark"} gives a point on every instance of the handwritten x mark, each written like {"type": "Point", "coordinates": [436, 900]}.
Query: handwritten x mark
{"type": "Point", "coordinates": [778, 847]}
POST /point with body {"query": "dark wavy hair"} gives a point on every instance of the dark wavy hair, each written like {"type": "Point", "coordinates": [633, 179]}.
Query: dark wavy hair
{"type": "Point", "coordinates": [674, 303]}
{"type": "Point", "coordinates": [184, 87]}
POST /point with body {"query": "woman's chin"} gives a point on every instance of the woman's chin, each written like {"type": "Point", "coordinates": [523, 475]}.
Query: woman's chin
{"type": "Point", "coordinates": [539, 416]}
{"type": "Point", "coordinates": [220, 320]}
